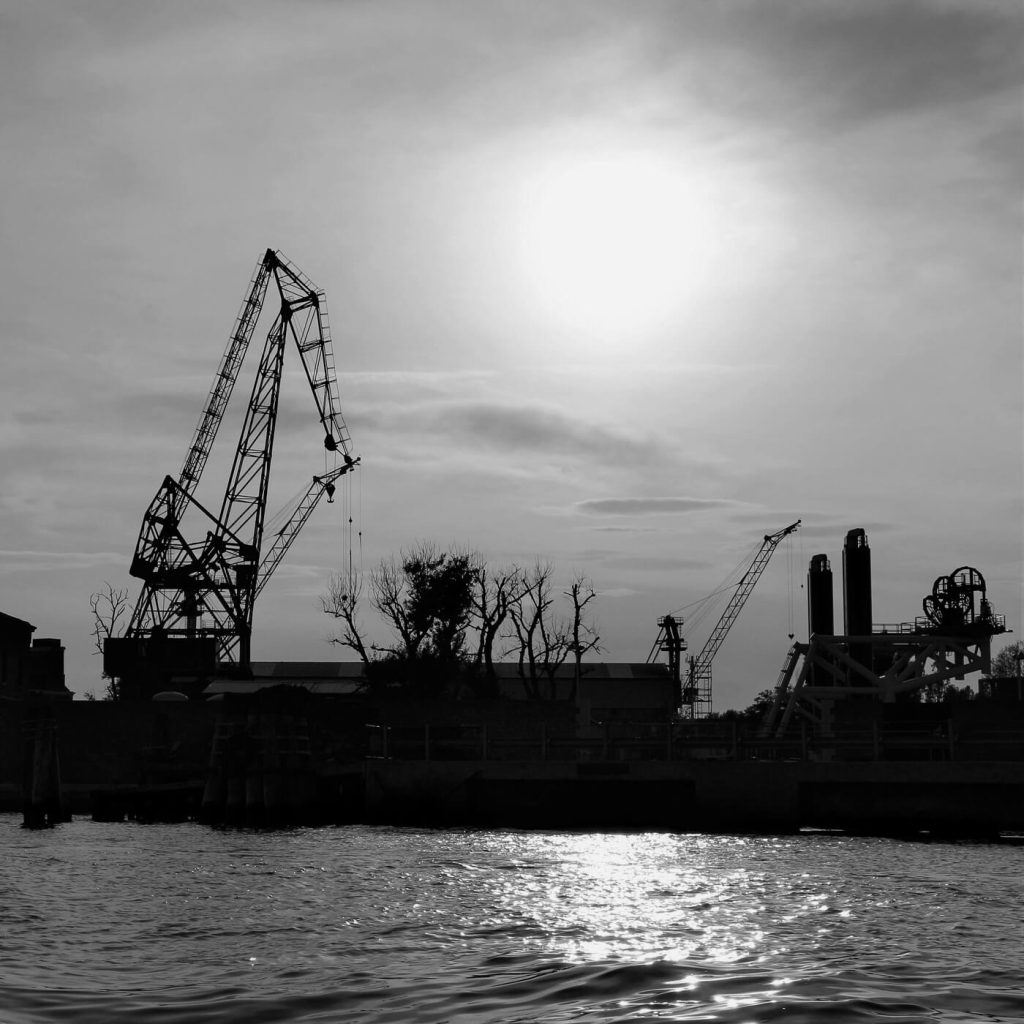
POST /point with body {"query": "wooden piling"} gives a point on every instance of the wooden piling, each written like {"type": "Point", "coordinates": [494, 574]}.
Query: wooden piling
{"type": "Point", "coordinates": [261, 772]}
{"type": "Point", "coordinates": [42, 803]}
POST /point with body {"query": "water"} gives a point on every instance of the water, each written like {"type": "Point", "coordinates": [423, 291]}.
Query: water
{"type": "Point", "coordinates": [128, 923]}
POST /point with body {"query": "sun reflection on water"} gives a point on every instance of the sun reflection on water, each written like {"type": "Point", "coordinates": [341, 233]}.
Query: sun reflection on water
{"type": "Point", "coordinates": [479, 926]}
{"type": "Point", "coordinates": [654, 897]}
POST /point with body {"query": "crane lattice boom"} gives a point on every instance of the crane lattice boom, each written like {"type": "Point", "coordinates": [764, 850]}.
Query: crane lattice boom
{"type": "Point", "coordinates": [695, 695]}
{"type": "Point", "coordinates": [202, 583]}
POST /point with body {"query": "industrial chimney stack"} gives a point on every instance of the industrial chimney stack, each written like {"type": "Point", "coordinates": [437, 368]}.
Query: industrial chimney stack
{"type": "Point", "coordinates": [857, 595]}
{"type": "Point", "coordinates": [820, 617]}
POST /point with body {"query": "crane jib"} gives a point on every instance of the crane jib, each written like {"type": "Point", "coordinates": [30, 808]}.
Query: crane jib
{"type": "Point", "coordinates": [694, 696]}
{"type": "Point", "coordinates": [200, 577]}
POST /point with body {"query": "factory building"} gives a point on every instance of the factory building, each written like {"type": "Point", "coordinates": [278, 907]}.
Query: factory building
{"type": "Point", "coordinates": [28, 666]}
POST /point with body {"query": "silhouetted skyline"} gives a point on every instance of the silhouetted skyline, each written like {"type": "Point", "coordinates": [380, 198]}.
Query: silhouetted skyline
{"type": "Point", "coordinates": [623, 286]}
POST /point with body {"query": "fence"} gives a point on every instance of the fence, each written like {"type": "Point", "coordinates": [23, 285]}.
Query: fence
{"type": "Point", "coordinates": [726, 740]}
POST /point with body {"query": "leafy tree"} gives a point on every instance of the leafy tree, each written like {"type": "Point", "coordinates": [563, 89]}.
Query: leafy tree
{"type": "Point", "coordinates": [1009, 662]}
{"type": "Point", "coordinates": [440, 599]}
{"type": "Point", "coordinates": [946, 693]}
{"type": "Point", "coordinates": [761, 705]}
{"type": "Point", "coordinates": [426, 598]}
{"type": "Point", "coordinates": [753, 712]}
{"type": "Point", "coordinates": [432, 600]}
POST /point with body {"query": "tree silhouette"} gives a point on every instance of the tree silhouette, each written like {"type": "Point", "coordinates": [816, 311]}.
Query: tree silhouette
{"type": "Point", "coordinates": [541, 637]}
{"type": "Point", "coordinates": [493, 594]}
{"type": "Point", "coordinates": [111, 610]}
{"type": "Point", "coordinates": [583, 636]}
{"type": "Point", "coordinates": [341, 601]}
{"type": "Point", "coordinates": [432, 599]}
{"type": "Point", "coordinates": [1009, 662]}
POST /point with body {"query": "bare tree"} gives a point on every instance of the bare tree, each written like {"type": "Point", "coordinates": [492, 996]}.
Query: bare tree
{"type": "Point", "coordinates": [541, 637]}
{"type": "Point", "coordinates": [424, 595]}
{"type": "Point", "coordinates": [493, 594]}
{"type": "Point", "coordinates": [389, 593]}
{"type": "Point", "coordinates": [431, 598]}
{"type": "Point", "coordinates": [584, 637]}
{"type": "Point", "coordinates": [342, 602]}
{"type": "Point", "coordinates": [111, 611]}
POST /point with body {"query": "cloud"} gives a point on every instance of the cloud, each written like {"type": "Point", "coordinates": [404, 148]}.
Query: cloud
{"type": "Point", "coordinates": [530, 431]}
{"type": "Point", "coordinates": [832, 63]}
{"type": "Point", "coordinates": [45, 561]}
{"type": "Point", "coordinates": [384, 383]}
{"type": "Point", "coordinates": [653, 506]}
{"type": "Point", "coordinates": [535, 428]}
{"type": "Point", "coordinates": [613, 593]}
{"type": "Point", "coordinates": [631, 530]}
{"type": "Point", "coordinates": [888, 57]}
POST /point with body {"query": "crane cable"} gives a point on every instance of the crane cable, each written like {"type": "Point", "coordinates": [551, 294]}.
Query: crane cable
{"type": "Point", "coordinates": [800, 567]}
{"type": "Point", "coordinates": [359, 485]}
{"type": "Point", "coordinates": [281, 517]}
{"type": "Point", "coordinates": [353, 530]}
{"type": "Point", "coordinates": [348, 533]}
{"type": "Point", "coordinates": [732, 580]}
{"type": "Point", "coordinates": [789, 566]}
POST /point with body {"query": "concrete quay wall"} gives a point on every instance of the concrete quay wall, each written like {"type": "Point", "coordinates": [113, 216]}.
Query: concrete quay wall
{"type": "Point", "coordinates": [980, 798]}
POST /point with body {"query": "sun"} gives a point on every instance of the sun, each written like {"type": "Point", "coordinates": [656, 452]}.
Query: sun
{"type": "Point", "coordinates": [615, 246]}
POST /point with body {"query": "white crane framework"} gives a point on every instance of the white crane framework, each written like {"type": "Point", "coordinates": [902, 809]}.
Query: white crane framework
{"type": "Point", "coordinates": [694, 697]}
{"type": "Point", "coordinates": [203, 585]}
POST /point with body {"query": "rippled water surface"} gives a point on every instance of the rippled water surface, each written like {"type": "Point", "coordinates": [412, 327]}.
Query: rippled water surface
{"type": "Point", "coordinates": [117, 923]}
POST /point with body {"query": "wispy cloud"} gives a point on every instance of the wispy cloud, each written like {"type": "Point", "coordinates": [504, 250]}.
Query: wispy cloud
{"type": "Point", "coordinates": [653, 506]}
{"type": "Point", "coordinates": [45, 561]}
{"type": "Point", "coordinates": [617, 528]}
{"type": "Point", "coordinates": [434, 381]}
{"type": "Point", "coordinates": [539, 428]}
{"type": "Point", "coordinates": [515, 432]}
{"type": "Point", "coordinates": [831, 63]}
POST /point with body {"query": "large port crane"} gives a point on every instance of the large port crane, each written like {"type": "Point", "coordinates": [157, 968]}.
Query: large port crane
{"type": "Point", "coordinates": [694, 695]}
{"type": "Point", "coordinates": [199, 586]}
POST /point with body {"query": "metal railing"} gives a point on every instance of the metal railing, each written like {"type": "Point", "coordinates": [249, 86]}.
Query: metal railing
{"type": "Point", "coordinates": [730, 741]}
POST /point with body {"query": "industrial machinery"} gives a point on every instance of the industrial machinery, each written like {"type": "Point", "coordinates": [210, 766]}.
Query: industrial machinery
{"type": "Point", "coordinates": [886, 663]}
{"type": "Point", "coordinates": [694, 696]}
{"type": "Point", "coordinates": [201, 572]}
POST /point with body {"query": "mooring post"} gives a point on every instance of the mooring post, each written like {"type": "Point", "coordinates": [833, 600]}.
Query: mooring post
{"type": "Point", "coordinates": [42, 806]}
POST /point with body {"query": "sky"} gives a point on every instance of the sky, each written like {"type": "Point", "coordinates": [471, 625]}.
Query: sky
{"type": "Point", "coordinates": [618, 286]}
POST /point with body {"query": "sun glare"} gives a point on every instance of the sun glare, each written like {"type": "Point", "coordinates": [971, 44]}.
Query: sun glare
{"type": "Point", "coordinates": [615, 246]}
